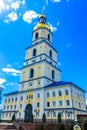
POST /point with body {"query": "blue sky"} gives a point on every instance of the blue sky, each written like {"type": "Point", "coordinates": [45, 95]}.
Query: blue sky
{"type": "Point", "coordinates": [68, 22]}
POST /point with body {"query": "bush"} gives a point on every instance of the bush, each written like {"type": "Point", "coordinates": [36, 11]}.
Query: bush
{"type": "Point", "coordinates": [13, 117]}
{"type": "Point", "coordinates": [41, 128]}
{"type": "Point", "coordinates": [62, 127]}
{"type": "Point", "coordinates": [20, 128]}
{"type": "Point", "coordinates": [59, 118]}
{"type": "Point", "coordinates": [71, 127]}
{"type": "Point", "coordinates": [85, 125]}
{"type": "Point", "coordinates": [44, 118]}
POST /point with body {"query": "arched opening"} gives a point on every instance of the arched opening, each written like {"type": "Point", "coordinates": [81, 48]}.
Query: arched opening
{"type": "Point", "coordinates": [36, 35]}
{"type": "Point", "coordinates": [50, 53]}
{"type": "Point", "coordinates": [34, 52]}
{"type": "Point", "coordinates": [49, 37]}
{"type": "Point", "coordinates": [53, 74]}
{"type": "Point", "coordinates": [31, 73]}
{"type": "Point", "coordinates": [28, 112]}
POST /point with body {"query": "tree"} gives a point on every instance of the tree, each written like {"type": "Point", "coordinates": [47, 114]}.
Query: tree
{"type": "Point", "coordinates": [31, 118]}
{"type": "Point", "coordinates": [59, 118]}
{"type": "Point", "coordinates": [85, 125]}
{"type": "Point", "coordinates": [44, 118]}
{"type": "Point", "coordinates": [13, 117]}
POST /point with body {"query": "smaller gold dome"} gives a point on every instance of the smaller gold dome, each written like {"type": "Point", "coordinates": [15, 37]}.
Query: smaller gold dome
{"type": "Point", "coordinates": [41, 25]}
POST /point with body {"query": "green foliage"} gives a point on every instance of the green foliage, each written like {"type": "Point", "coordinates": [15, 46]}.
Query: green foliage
{"type": "Point", "coordinates": [13, 117]}
{"type": "Point", "coordinates": [31, 118]}
{"type": "Point", "coordinates": [62, 127]}
{"type": "Point", "coordinates": [85, 125]}
{"type": "Point", "coordinates": [20, 128]}
{"type": "Point", "coordinates": [71, 127]}
{"type": "Point", "coordinates": [41, 128]}
{"type": "Point", "coordinates": [59, 118]}
{"type": "Point", "coordinates": [44, 118]}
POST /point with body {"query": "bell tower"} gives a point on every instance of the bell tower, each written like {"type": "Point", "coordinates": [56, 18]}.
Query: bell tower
{"type": "Point", "coordinates": [40, 65]}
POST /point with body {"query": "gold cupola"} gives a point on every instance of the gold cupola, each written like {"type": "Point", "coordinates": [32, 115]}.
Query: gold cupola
{"type": "Point", "coordinates": [42, 23]}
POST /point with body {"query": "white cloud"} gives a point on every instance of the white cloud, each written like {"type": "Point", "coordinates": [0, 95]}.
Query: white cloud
{"type": "Point", "coordinates": [11, 8]}
{"type": "Point", "coordinates": [46, 2]}
{"type": "Point", "coordinates": [58, 23]}
{"type": "Point", "coordinates": [9, 84]}
{"type": "Point", "coordinates": [8, 65]}
{"type": "Point", "coordinates": [68, 45]}
{"type": "Point", "coordinates": [54, 1]}
{"type": "Point", "coordinates": [59, 63]}
{"type": "Point", "coordinates": [2, 6]}
{"type": "Point", "coordinates": [11, 17]}
{"type": "Point", "coordinates": [10, 4]}
{"type": "Point", "coordinates": [16, 5]}
{"type": "Point", "coordinates": [53, 29]}
{"type": "Point", "coordinates": [67, 0]}
{"type": "Point", "coordinates": [29, 16]}
{"type": "Point", "coordinates": [11, 71]}
{"type": "Point", "coordinates": [2, 81]}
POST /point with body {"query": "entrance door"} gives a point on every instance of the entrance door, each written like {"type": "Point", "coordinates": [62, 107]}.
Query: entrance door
{"type": "Point", "coordinates": [28, 112]}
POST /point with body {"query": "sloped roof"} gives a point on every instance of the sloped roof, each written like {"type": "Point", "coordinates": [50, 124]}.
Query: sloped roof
{"type": "Point", "coordinates": [63, 83]}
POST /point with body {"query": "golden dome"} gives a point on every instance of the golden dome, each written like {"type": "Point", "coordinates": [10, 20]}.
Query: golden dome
{"type": "Point", "coordinates": [41, 25]}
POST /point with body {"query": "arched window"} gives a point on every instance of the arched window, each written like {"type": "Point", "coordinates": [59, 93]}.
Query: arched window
{"type": "Point", "coordinates": [53, 74]}
{"type": "Point", "coordinates": [50, 53]}
{"type": "Point", "coordinates": [36, 35]}
{"type": "Point", "coordinates": [49, 37]}
{"type": "Point", "coordinates": [34, 52]}
{"type": "Point", "coordinates": [31, 73]}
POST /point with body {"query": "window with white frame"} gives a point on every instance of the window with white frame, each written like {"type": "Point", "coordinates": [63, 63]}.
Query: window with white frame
{"type": "Point", "coordinates": [48, 104]}
{"type": "Point", "coordinates": [54, 94]}
{"type": "Point", "coordinates": [66, 92]}
{"type": "Point", "coordinates": [60, 93]}
{"type": "Point", "coordinates": [48, 94]}
{"type": "Point", "coordinates": [38, 95]}
{"type": "Point", "coordinates": [67, 102]}
{"type": "Point", "coordinates": [54, 114]}
{"type": "Point", "coordinates": [48, 114]}
{"type": "Point", "coordinates": [38, 104]}
{"type": "Point", "coordinates": [54, 103]}
{"type": "Point", "coordinates": [60, 103]}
